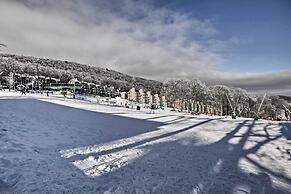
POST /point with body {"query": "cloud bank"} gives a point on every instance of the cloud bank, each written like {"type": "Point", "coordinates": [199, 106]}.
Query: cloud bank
{"type": "Point", "coordinates": [133, 37]}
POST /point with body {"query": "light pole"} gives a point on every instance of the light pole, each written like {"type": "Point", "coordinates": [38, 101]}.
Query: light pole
{"type": "Point", "coordinates": [74, 93]}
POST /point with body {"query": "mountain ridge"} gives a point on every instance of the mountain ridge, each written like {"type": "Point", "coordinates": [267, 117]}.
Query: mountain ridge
{"type": "Point", "coordinates": [66, 70]}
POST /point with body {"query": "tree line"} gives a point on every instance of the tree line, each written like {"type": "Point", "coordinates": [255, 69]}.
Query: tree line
{"type": "Point", "coordinates": [184, 95]}
{"type": "Point", "coordinates": [189, 95]}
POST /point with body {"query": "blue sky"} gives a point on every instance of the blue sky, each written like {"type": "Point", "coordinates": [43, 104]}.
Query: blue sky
{"type": "Point", "coordinates": [262, 28]}
{"type": "Point", "coordinates": [241, 43]}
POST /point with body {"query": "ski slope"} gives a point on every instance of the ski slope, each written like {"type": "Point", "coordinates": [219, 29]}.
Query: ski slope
{"type": "Point", "coordinates": [57, 145]}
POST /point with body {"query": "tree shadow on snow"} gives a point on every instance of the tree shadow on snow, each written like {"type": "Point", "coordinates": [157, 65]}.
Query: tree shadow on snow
{"type": "Point", "coordinates": [141, 142]}
{"type": "Point", "coordinates": [179, 167]}
{"type": "Point", "coordinates": [176, 166]}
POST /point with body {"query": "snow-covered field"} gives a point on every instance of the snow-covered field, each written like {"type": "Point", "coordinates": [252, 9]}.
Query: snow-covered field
{"type": "Point", "coordinates": [58, 145]}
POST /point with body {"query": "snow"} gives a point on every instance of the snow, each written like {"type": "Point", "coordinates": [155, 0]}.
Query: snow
{"type": "Point", "coordinates": [61, 145]}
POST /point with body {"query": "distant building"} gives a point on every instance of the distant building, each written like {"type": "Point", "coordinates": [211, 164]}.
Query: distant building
{"type": "Point", "coordinates": [148, 98]}
{"type": "Point", "coordinates": [132, 95]}
{"type": "Point", "coordinates": [156, 99]}
{"type": "Point", "coordinates": [123, 95]}
{"type": "Point", "coordinates": [141, 96]}
{"type": "Point", "coordinates": [163, 102]}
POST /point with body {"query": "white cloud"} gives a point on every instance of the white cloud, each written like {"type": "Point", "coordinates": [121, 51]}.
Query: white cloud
{"type": "Point", "coordinates": [147, 42]}
{"type": "Point", "coordinates": [129, 36]}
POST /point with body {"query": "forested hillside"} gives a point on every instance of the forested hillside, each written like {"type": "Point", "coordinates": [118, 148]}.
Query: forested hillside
{"type": "Point", "coordinates": [65, 70]}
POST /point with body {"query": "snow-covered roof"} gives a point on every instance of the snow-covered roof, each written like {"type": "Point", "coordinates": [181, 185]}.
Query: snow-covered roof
{"type": "Point", "coordinates": [73, 81]}
{"type": "Point", "coordinates": [56, 79]}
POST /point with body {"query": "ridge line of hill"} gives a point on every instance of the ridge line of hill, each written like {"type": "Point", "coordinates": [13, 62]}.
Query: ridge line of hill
{"type": "Point", "coordinates": [65, 70]}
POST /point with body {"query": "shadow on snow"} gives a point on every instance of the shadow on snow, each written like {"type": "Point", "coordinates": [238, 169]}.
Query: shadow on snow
{"type": "Point", "coordinates": [167, 166]}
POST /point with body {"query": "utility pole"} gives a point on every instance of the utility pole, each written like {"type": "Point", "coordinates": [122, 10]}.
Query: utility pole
{"type": "Point", "coordinates": [229, 102]}
{"type": "Point", "coordinates": [235, 106]}
{"type": "Point", "coordinates": [11, 80]}
{"type": "Point", "coordinates": [37, 74]}
{"type": "Point", "coordinates": [257, 114]}
{"type": "Point", "coordinates": [262, 103]}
